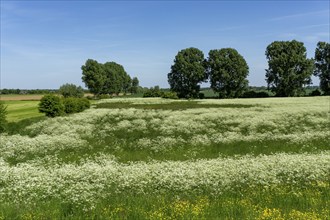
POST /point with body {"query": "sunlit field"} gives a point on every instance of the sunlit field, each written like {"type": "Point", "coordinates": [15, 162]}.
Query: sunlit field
{"type": "Point", "coordinates": [152, 158]}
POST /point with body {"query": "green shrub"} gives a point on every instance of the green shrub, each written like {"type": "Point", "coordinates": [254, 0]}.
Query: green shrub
{"type": "Point", "coordinates": [254, 94]}
{"type": "Point", "coordinates": [315, 92]}
{"type": "Point", "coordinates": [153, 92]}
{"type": "Point", "coordinates": [3, 114]}
{"type": "Point", "coordinates": [169, 95]}
{"type": "Point", "coordinates": [70, 105]}
{"type": "Point", "coordinates": [83, 104]}
{"type": "Point", "coordinates": [51, 105]}
{"type": "Point", "coordinates": [71, 90]}
{"type": "Point", "coordinates": [103, 96]}
{"type": "Point", "coordinates": [74, 105]}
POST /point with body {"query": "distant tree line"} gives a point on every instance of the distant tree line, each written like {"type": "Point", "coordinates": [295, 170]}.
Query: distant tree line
{"type": "Point", "coordinates": [27, 91]}
{"type": "Point", "coordinates": [289, 70]}
{"type": "Point", "coordinates": [108, 78]}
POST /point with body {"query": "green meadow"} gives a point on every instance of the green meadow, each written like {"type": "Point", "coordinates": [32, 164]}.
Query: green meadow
{"type": "Point", "coordinates": [153, 158]}
{"type": "Point", "coordinates": [19, 110]}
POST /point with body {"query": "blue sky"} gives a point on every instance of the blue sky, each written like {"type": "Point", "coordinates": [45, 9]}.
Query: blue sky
{"type": "Point", "coordinates": [45, 43]}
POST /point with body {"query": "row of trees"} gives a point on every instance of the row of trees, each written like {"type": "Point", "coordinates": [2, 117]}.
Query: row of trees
{"type": "Point", "coordinates": [226, 69]}
{"type": "Point", "coordinates": [107, 78]}
{"type": "Point", "coordinates": [288, 72]}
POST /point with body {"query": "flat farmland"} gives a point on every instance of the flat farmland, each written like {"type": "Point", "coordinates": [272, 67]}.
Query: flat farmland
{"type": "Point", "coordinates": [152, 158]}
{"type": "Point", "coordinates": [20, 97]}
{"type": "Point", "coordinates": [20, 110]}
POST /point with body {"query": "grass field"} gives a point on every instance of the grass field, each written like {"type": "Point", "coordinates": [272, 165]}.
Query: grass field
{"type": "Point", "coordinates": [20, 110]}
{"type": "Point", "coordinates": [171, 159]}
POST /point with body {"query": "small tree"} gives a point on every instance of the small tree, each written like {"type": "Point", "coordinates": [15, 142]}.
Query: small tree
{"type": "Point", "coordinates": [51, 105]}
{"type": "Point", "coordinates": [3, 114]}
{"type": "Point", "coordinates": [228, 71]}
{"type": "Point", "coordinates": [322, 66]}
{"type": "Point", "coordinates": [187, 72]}
{"type": "Point", "coordinates": [71, 90]}
{"type": "Point", "coordinates": [135, 85]}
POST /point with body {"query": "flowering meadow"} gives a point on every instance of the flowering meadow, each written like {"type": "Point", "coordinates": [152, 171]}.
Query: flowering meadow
{"type": "Point", "coordinates": [134, 158]}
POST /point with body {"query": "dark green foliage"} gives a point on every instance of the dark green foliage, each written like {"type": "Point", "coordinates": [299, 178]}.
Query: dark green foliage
{"type": "Point", "coordinates": [169, 95]}
{"type": "Point", "coordinates": [201, 95]}
{"type": "Point", "coordinates": [83, 104]}
{"type": "Point", "coordinates": [107, 78]}
{"type": "Point", "coordinates": [3, 114]}
{"type": "Point", "coordinates": [70, 105]}
{"type": "Point", "coordinates": [135, 85]}
{"type": "Point", "coordinates": [74, 105]}
{"type": "Point", "coordinates": [103, 96]}
{"type": "Point", "coordinates": [71, 90]}
{"type": "Point", "coordinates": [27, 91]}
{"type": "Point", "coordinates": [255, 94]}
{"type": "Point", "coordinates": [187, 72]}
{"type": "Point", "coordinates": [116, 78]}
{"type": "Point", "coordinates": [315, 92]}
{"type": "Point", "coordinates": [322, 66]}
{"type": "Point", "coordinates": [228, 71]}
{"type": "Point", "coordinates": [51, 105]}
{"type": "Point", "coordinates": [289, 70]}
{"type": "Point", "coordinates": [152, 92]}
{"type": "Point", "coordinates": [93, 76]}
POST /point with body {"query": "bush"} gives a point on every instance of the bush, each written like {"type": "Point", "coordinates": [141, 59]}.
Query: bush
{"type": "Point", "coordinates": [83, 104]}
{"type": "Point", "coordinates": [51, 105]}
{"type": "Point", "coordinates": [169, 95]}
{"type": "Point", "coordinates": [315, 92]}
{"type": "Point", "coordinates": [153, 92]}
{"type": "Point", "coordinates": [71, 90]}
{"type": "Point", "coordinates": [74, 105]}
{"type": "Point", "coordinates": [3, 114]}
{"type": "Point", "coordinates": [254, 94]}
{"type": "Point", "coordinates": [103, 96]}
{"type": "Point", "coordinates": [70, 105]}
{"type": "Point", "coordinates": [201, 95]}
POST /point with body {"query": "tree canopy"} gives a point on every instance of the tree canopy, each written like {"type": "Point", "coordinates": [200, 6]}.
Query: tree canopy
{"type": "Point", "coordinates": [107, 78]}
{"type": "Point", "coordinates": [71, 90]}
{"type": "Point", "coordinates": [288, 68]}
{"type": "Point", "coordinates": [187, 72]}
{"type": "Point", "coordinates": [228, 71]}
{"type": "Point", "coordinates": [322, 66]}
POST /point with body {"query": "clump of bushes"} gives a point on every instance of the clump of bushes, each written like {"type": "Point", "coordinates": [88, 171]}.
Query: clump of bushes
{"type": "Point", "coordinates": [3, 114]}
{"type": "Point", "coordinates": [169, 95]}
{"type": "Point", "coordinates": [74, 105]}
{"type": "Point", "coordinates": [315, 92]}
{"type": "Point", "coordinates": [103, 96]}
{"type": "Point", "coordinates": [51, 105]}
{"type": "Point", "coordinates": [54, 106]}
{"type": "Point", "coordinates": [156, 92]}
{"type": "Point", "coordinates": [254, 94]}
{"type": "Point", "coordinates": [152, 92]}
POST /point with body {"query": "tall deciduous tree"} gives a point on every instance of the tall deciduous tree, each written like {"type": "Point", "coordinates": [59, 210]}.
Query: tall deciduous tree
{"type": "Point", "coordinates": [115, 74]}
{"type": "Point", "coordinates": [288, 68]}
{"type": "Point", "coordinates": [187, 72]}
{"type": "Point", "coordinates": [94, 76]}
{"type": "Point", "coordinates": [322, 66]}
{"type": "Point", "coordinates": [228, 71]}
{"type": "Point", "coordinates": [108, 78]}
